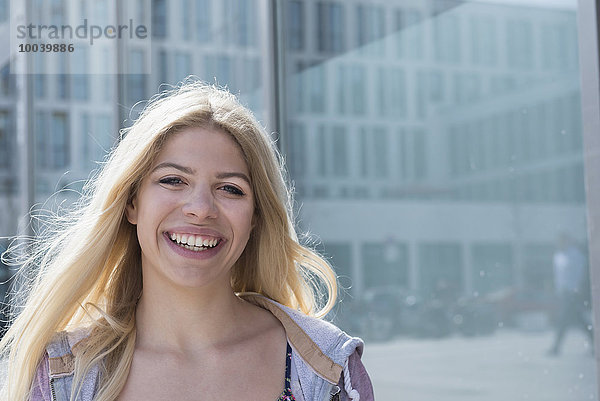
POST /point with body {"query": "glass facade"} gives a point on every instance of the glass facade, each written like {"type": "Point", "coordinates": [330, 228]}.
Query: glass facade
{"type": "Point", "coordinates": [435, 146]}
{"type": "Point", "coordinates": [461, 134]}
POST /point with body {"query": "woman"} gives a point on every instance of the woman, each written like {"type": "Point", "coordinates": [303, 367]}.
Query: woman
{"type": "Point", "coordinates": [181, 276]}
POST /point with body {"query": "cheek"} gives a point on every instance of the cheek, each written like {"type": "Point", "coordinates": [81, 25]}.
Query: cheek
{"type": "Point", "coordinates": [245, 221]}
{"type": "Point", "coordinates": [246, 226]}
{"type": "Point", "coordinates": [148, 219]}
{"type": "Point", "coordinates": [145, 233]}
{"type": "Point", "coordinates": [250, 217]}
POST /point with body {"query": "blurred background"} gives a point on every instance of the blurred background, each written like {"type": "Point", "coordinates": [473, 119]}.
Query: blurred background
{"type": "Point", "coordinates": [435, 148]}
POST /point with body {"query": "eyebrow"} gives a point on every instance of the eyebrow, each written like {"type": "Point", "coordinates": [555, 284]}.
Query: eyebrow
{"type": "Point", "coordinates": [176, 166]}
{"type": "Point", "coordinates": [191, 171]}
{"type": "Point", "coordinates": [233, 174]}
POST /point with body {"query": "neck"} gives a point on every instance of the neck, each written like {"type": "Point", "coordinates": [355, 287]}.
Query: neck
{"type": "Point", "coordinates": [176, 320]}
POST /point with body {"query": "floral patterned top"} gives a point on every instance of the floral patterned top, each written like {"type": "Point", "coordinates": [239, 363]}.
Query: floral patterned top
{"type": "Point", "coordinates": [287, 392]}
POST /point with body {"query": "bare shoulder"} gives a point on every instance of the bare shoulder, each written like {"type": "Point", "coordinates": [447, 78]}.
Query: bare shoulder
{"type": "Point", "coordinates": [261, 322]}
{"type": "Point", "coordinates": [262, 333]}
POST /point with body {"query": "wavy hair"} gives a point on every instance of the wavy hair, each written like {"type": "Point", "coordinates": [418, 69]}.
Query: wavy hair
{"type": "Point", "coordinates": [89, 270]}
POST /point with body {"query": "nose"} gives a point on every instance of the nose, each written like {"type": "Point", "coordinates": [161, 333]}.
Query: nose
{"type": "Point", "coordinates": [200, 204]}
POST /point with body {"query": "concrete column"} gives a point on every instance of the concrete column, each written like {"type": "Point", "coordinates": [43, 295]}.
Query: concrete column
{"type": "Point", "coordinates": [413, 266]}
{"type": "Point", "coordinates": [357, 270]}
{"type": "Point", "coordinates": [467, 269]}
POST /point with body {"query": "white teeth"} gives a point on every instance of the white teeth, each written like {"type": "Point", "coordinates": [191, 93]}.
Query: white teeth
{"type": "Point", "coordinates": [193, 242]}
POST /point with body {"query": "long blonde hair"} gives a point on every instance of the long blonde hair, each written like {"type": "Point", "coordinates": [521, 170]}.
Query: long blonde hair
{"type": "Point", "coordinates": [90, 270]}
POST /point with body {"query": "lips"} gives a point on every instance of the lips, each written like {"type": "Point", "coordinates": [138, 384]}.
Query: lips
{"type": "Point", "coordinates": [194, 242]}
{"type": "Point", "coordinates": [201, 245]}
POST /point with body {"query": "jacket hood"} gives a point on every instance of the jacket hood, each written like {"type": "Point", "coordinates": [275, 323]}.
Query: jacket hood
{"type": "Point", "coordinates": [322, 346]}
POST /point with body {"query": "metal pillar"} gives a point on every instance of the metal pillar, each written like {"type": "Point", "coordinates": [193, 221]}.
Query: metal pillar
{"type": "Point", "coordinates": [590, 105]}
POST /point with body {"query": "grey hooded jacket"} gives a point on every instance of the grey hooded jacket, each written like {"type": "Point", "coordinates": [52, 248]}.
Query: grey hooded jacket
{"type": "Point", "coordinates": [325, 361]}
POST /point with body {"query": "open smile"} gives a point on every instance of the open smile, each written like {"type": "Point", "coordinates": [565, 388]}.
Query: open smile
{"type": "Point", "coordinates": [195, 243]}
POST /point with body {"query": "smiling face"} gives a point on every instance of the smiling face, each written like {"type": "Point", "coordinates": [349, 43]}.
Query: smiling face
{"type": "Point", "coordinates": [194, 210]}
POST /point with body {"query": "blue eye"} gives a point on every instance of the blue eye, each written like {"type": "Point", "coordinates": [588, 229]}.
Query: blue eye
{"type": "Point", "coordinates": [170, 180]}
{"type": "Point", "coordinates": [232, 190]}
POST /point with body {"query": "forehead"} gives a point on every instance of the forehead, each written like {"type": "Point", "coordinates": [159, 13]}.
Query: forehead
{"type": "Point", "coordinates": [203, 147]}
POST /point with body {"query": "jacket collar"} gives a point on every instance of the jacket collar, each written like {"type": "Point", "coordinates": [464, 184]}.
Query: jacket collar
{"type": "Point", "coordinates": [302, 343]}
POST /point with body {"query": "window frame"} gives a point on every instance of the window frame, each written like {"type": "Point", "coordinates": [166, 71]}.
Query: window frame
{"type": "Point", "coordinates": [587, 25]}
